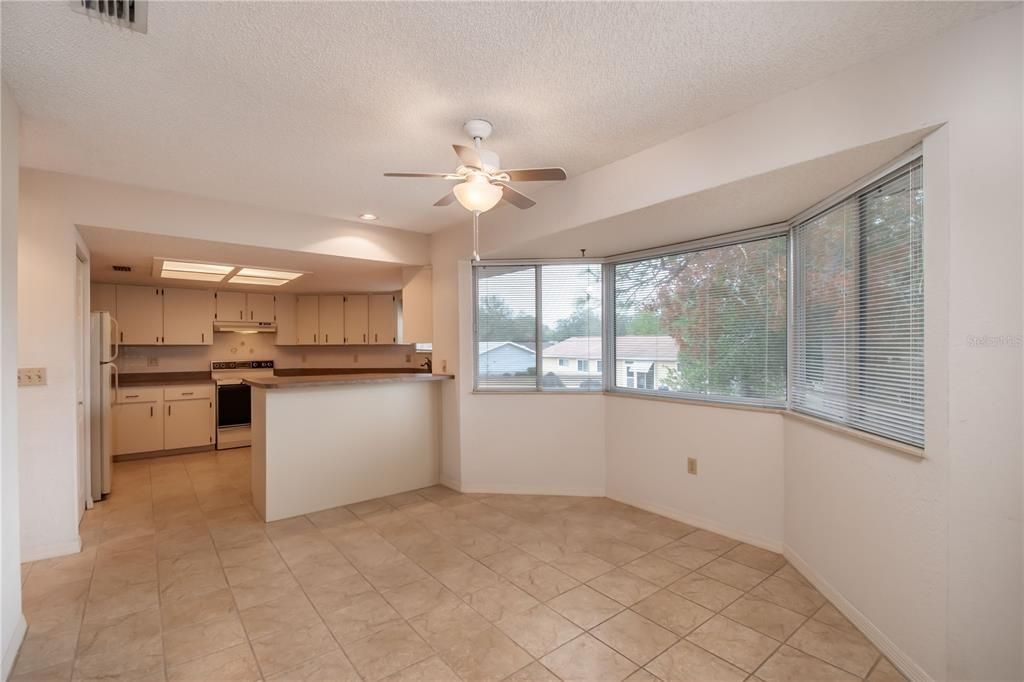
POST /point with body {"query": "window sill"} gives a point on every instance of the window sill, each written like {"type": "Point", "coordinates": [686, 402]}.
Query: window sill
{"type": "Point", "coordinates": [692, 401]}
{"type": "Point", "coordinates": [872, 439]}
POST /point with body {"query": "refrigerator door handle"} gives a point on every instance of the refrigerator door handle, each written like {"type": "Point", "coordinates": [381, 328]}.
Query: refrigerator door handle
{"type": "Point", "coordinates": [113, 339]}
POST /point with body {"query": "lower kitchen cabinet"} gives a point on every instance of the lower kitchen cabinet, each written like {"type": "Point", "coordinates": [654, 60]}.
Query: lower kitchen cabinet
{"type": "Point", "coordinates": [138, 427]}
{"type": "Point", "coordinates": [155, 418]}
{"type": "Point", "coordinates": [187, 423]}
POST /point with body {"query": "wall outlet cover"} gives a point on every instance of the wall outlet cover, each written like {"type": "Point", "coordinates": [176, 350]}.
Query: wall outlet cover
{"type": "Point", "coordinates": [31, 376]}
{"type": "Point", "coordinates": [691, 465]}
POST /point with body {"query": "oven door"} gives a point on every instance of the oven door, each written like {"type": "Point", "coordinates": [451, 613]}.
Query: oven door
{"type": "Point", "coordinates": [234, 407]}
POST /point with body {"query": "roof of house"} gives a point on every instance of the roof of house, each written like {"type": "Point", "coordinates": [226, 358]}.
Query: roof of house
{"type": "Point", "coordinates": [488, 346]}
{"type": "Point", "coordinates": [661, 348]}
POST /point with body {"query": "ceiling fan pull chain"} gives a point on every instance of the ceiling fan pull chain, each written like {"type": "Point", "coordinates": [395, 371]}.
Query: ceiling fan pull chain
{"type": "Point", "coordinates": [476, 236]}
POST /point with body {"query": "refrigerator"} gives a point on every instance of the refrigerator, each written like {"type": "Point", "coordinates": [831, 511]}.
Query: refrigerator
{"type": "Point", "coordinates": [102, 388]}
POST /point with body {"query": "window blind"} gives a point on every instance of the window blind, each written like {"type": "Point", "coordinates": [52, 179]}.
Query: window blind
{"type": "Point", "coordinates": [708, 323]}
{"type": "Point", "coordinates": [506, 327]}
{"type": "Point", "coordinates": [571, 312]}
{"type": "Point", "coordinates": [858, 351]}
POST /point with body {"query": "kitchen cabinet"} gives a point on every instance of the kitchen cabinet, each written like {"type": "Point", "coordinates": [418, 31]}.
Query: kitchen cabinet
{"type": "Point", "coordinates": [140, 315]}
{"type": "Point", "coordinates": [284, 310]}
{"type": "Point", "coordinates": [230, 306]}
{"type": "Point", "coordinates": [383, 319]}
{"type": "Point", "coordinates": [307, 319]}
{"type": "Point", "coordinates": [357, 318]}
{"type": "Point", "coordinates": [188, 317]}
{"type": "Point", "coordinates": [138, 421]}
{"type": "Point", "coordinates": [259, 307]}
{"type": "Point", "coordinates": [101, 297]}
{"type": "Point", "coordinates": [188, 417]}
{"type": "Point", "coordinates": [418, 308]}
{"type": "Point", "coordinates": [332, 319]}
{"type": "Point", "coordinates": [154, 418]}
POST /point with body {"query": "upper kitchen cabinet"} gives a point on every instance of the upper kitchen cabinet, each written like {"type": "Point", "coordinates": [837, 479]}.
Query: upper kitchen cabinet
{"type": "Point", "coordinates": [332, 319]}
{"type": "Point", "coordinates": [230, 306]}
{"type": "Point", "coordinates": [383, 318]}
{"type": "Point", "coordinates": [357, 318]}
{"type": "Point", "coordinates": [140, 315]}
{"type": "Point", "coordinates": [259, 307]}
{"type": "Point", "coordinates": [307, 319]}
{"type": "Point", "coordinates": [418, 308]}
{"type": "Point", "coordinates": [284, 311]}
{"type": "Point", "coordinates": [102, 297]}
{"type": "Point", "coordinates": [188, 317]}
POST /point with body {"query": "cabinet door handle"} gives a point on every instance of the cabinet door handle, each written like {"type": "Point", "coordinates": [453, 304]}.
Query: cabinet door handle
{"type": "Point", "coordinates": [241, 314]}
{"type": "Point", "coordinates": [132, 396]}
{"type": "Point", "coordinates": [327, 338]}
{"type": "Point", "coordinates": [203, 337]}
{"type": "Point", "coordinates": [168, 410]}
{"type": "Point", "coordinates": [150, 410]}
{"type": "Point", "coordinates": [122, 337]}
{"type": "Point", "coordinates": [188, 392]}
{"type": "Point", "coordinates": [364, 338]}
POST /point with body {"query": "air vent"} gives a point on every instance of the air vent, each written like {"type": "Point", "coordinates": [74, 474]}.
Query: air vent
{"type": "Point", "coordinates": [122, 268]}
{"type": "Point", "coordinates": [125, 13]}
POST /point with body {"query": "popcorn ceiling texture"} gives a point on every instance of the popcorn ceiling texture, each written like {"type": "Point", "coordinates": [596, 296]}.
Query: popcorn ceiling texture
{"type": "Point", "coordinates": [302, 106]}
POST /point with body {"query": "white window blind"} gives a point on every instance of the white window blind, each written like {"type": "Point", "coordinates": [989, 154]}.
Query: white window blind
{"type": "Point", "coordinates": [858, 352]}
{"type": "Point", "coordinates": [506, 327]}
{"type": "Point", "coordinates": [709, 324]}
{"type": "Point", "coordinates": [571, 312]}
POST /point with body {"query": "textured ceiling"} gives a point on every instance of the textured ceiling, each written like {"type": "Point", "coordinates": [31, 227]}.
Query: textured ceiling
{"type": "Point", "coordinates": [302, 106]}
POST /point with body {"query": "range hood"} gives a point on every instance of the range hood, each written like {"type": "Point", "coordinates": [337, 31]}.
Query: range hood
{"type": "Point", "coordinates": [244, 327]}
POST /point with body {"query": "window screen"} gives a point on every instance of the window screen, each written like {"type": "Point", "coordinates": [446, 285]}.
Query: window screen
{"type": "Point", "coordinates": [709, 324]}
{"type": "Point", "coordinates": [858, 355]}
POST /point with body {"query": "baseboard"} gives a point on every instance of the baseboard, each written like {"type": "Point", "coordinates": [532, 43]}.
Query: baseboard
{"type": "Point", "coordinates": [12, 648]}
{"type": "Point", "coordinates": [899, 658]}
{"type": "Point", "coordinates": [706, 524]}
{"type": "Point", "coordinates": [483, 488]}
{"type": "Point", "coordinates": [451, 483]}
{"type": "Point", "coordinates": [50, 551]}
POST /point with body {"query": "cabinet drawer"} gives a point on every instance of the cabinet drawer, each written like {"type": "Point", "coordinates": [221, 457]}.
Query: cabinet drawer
{"type": "Point", "coordinates": [139, 395]}
{"type": "Point", "coordinates": [189, 392]}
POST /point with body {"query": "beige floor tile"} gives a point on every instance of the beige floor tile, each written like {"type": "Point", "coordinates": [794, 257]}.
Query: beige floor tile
{"type": "Point", "coordinates": [430, 670]}
{"type": "Point", "coordinates": [264, 589]}
{"type": "Point", "coordinates": [613, 551]}
{"type": "Point", "coordinates": [582, 566]}
{"type": "Point", "coordinates": [843, 648]}
{"type": "Point", "coordinates": [233, 664]}
{"type": "Point", "coordinates": [287, 649]}
{"type": "Point", "coordinates": [623, 586]}
{"type": "Point", "coordinates": [386, 652]}
{"type": "Point", "coordinates": [120, 646]}
{"type": "Point", "coordinates": [115, 599]}
{"type": "Point", "coordinates": [830, 614]}
{"type": "Point", "coordinates": [686, 556]}
{"type": "Point", "coordinates": [731, 573]}
{"type": "Point", "coordinates": [41, 651]}
{"type": "Point", "coordinates": [332, 518]}
{"type": "Point", "coordinates": [755, 557]}
{"type": "Point", "coordinates": [646, 540]}
{"type": "Point", "coordinates": [500, 601]}
{"type": "Point", "coordinates": [535, 672]}
{"type": "Point", "coordinates": [585, 606]}
{"type": "Point", "coordinates": [671, 611]}
{"type": "Point", "coordinates": [291, 611]}
{"type": "Point", "coordinates": [363, 615]}
{"type": "Point", "coordinates": [708, 541]}
{"type": "Point", "coordinates": [805, 600]}
{"type": "Point", "coordinates": [635, 637]}
{"type": "Point", "coordinates": [765, 617]}
{"type": "Point", "coordinates": [585, 658]}
{"type": "Point", "coordinates": [337, 594]}
{"type": "Point", "coordinates": [790, 665]}
{"type": "Point", "coordinates": [333, 666]}
{"type": "Point", "coordinates": [488, 656]}
{"type": "Point", "coordinates": [657, 570]}
{"type": "Point", "coordinates": [193, 641]}
{"type": "Point", "coordinates": [392, 574]}
{"type": "Point", "coordinates": [467, 579]}
{"type": "Point", "coordinates": [509, 561]}
{"type": "Point", "coordinates": [443, 625]}
{"type": "Point", "coordinates": [60, 672]}
{"type": "Point", "coordinates": [642, 675]}
{"type": "Point", "coordinates": [419, 597]}
{"type": "Point", "coordinates": [322, 567]}
{"type": "Point", "coordinates": [668, 527]}
{"type": "Point", "coordinates": [884, 671]}
{"type": "Point", "coordinates": [685, 662]}
{"type": "Point", "coordinates": [59, 597]}
{"type": "Point", "coordinates": [738, 644]}
{"type": "Point", "coordinates": [538, 630]}
{"type": "Point", "coordinates": [707, 592]}
{"type": "Point", "coordinates": [544, 582]}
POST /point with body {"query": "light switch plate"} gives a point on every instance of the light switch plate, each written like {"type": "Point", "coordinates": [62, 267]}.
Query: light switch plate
{"type": "Point", "coordinates": [31, 376]}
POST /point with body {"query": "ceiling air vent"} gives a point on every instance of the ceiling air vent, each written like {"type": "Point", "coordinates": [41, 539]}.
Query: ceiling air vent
{"type": "Point", "coordinates": [122, 268]}
{"type": "Point", "coordinates": [126, 13]}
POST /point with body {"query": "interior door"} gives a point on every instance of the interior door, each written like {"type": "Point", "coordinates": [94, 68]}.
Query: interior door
{"type": "Point", "coordinates": [188, 317]}
{"type": "Point", "coordinates": [140, 315]}
{"type": "Point", "coordinates": [383, 319]}
{"type": "Point", "coordinates": [357, 318]}
{"type": "Point", "coordinates": [82, 322]}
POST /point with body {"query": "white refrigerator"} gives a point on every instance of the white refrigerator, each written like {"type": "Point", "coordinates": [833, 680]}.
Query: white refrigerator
{"type": "Point", "coordinates": [102, 387]}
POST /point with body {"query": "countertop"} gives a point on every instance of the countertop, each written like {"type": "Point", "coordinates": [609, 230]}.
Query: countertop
{"type": "Point", "coordinates": [344, 379]}
{"type": "Point", "coordinates": [163, 378]}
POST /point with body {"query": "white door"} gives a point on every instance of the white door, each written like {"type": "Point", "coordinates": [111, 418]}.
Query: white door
{"type": "Point", "coordinates": [187, 423]}
{"type": "Point", "coordinates": [307, 319]}
{"type": "Point", "coordinates": [140, 315]}
{"type": "Point", "coordinates": [357, 318]}
{"type": "Point", "coordinates": [332, 319]}
{"type": "Point", "coordinates": [383, 319]}
{"type": "Point", "coordinates": [188, 317]}
{"type": "Point", "coordinates": [260, 307]}
{"type": "Point", "coordinates": [230, 306]}
{"type": "Point", "coordinates": [284, 311]}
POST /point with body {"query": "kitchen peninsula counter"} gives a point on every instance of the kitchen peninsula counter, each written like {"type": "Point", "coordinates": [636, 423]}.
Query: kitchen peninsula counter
{"type": "Point", "coordinates": [328, 440]}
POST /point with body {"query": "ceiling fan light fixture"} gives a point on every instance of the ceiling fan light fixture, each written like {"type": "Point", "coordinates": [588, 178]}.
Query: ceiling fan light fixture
{"type": "Point", "coordinates": [477, 193]}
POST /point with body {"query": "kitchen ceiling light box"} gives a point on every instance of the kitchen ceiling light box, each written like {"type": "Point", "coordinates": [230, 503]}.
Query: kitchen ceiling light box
{"type": "Point", "coordinates": [221, 272]}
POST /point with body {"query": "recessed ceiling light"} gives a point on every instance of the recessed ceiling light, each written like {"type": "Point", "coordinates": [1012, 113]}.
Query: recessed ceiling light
{"type": "Point", "coordinates": [200, 276]}
{"type": "Point", "coordinates": [271, 274]}
{"type": "Point", "coordinates": [197, 267]}
{"type": "Point", "coordinates": [267, 281]}
{"type": "Point", "coordinates": [367, 216]}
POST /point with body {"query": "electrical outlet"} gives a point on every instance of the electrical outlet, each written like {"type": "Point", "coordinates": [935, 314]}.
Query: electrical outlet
{"type": "Point", "coordinates": [31, 376]}
{"type": "Point", "coordinates": [408, 357]}
{"type": "Point", "coordinates": [355, 357]}
{"type": "Point", "coordinates": [152, 362]}
{"type": "Point", "coordinates": [691, 465]}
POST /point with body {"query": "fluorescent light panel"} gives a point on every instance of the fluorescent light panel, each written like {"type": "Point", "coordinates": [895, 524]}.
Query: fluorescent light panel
{"type": "Point", "coordinates": [211, 268]}
{"type": "Point", "coordinates": [213, 272]}
{"type": "Point", "coordinates": [201, 276]}
{"type": "Point", "coordinates": [269, 274]}
{"type": "Point", "coordinates": [268, 281]}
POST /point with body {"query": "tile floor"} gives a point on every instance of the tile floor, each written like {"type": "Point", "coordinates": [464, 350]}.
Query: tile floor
{"type": "Point", "coordinates": [179, 580]}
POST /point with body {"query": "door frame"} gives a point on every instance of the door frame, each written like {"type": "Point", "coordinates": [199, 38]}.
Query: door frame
{"type": "Point", "coordinates": [83, 429]}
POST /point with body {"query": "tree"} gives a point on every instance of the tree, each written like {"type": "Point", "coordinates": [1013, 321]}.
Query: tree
{"type": "Point", "coordinates": [496, 321]}
{"type": "Point", "coordinates": [585, 320]}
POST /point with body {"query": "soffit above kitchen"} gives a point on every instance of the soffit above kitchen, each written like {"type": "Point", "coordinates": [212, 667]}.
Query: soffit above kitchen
{"type": "Point", "coordinates": [143, 253]}
{"type": "Point", "coordinates": [303, 106]}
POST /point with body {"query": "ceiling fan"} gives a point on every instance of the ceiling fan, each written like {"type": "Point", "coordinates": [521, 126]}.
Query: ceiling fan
{"type": "Point", "coordinates": [481, 181]}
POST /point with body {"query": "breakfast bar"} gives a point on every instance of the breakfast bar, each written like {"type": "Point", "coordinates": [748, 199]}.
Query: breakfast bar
{"type": "Point", "coordinates": [329, 440]}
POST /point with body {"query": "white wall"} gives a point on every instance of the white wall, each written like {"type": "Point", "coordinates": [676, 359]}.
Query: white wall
{"type": "Point", "coordinates": [12, 623]}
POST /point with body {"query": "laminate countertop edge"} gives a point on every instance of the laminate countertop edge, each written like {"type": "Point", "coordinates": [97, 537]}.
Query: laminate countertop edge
{"type": "Point", "coordinates": [343, 380]}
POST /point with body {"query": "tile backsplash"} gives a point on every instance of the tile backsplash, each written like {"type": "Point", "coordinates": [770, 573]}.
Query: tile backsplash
{"type": "Point", "coordinates": [234, 346]}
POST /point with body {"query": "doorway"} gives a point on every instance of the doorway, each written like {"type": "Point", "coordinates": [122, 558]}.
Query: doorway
{"type": "Point", "coordinates": [81, 382]}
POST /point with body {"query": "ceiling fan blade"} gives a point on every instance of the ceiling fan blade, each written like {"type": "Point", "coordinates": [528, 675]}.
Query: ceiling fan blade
{"type": "Point", "coordinates": [535, 174]}
{"type": "Point", "coordinates": [417, 175]}
{"type": "Point", "coordinates": [445, 200]}
{"type": "Point", "coordinates": [517, 199]}
{"type": "Point", "coordinates": [468, 156]}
